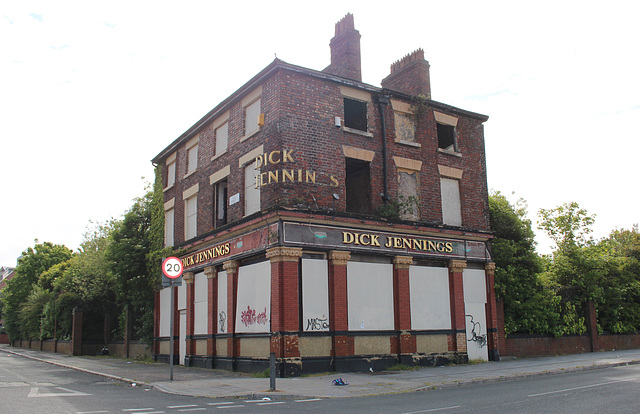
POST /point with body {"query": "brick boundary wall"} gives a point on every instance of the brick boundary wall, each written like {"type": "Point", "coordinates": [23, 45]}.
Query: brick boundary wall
{"type": "Point", "coordinates": [524, 346]}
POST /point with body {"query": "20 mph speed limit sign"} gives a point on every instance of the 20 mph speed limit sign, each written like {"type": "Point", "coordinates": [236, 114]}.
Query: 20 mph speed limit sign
{"type": "Point", "coordinates": [172, 267]}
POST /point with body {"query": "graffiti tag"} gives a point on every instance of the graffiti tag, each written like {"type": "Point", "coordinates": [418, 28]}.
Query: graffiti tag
{"type": "Point", "coordinates": [480, 340]}
{"type": "Point", "coordinates": [317, 324]}
{"type": "Point", "coordinates": [223, 320]}
{"type": "Point", "coordinates": [249, 317]}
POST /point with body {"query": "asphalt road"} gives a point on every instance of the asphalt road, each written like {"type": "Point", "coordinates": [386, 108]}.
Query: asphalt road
{"type": "Point", "coordinates": [28, 386]}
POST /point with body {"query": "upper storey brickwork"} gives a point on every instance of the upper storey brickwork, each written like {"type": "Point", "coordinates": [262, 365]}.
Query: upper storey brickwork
{"type": "Point", "coordinates": [301, 139]}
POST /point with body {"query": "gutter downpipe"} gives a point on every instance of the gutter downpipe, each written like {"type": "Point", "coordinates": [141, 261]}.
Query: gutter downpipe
{"type": "Point", "coordinates": [383, 100]}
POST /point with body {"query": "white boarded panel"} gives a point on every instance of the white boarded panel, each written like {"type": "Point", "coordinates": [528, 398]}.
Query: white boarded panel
{"type": "Point", "coordinates": [222, 302]}
{"type": "Point", "coordinates": [165, 312]}
{"type": "Point", "coordinates": [315, 295]}
{"type": "Point", "coordinates": [476, 330]}
{"type": "Point", "coordinates": [475, 288]}
{"type": "Point", "coordinates": [430, 300]}
{"type": "Point", "coordinates": [253, 313]}
{"type": "Point", "coordinates": [370, 296]}
{"type": "Point", "coordinates": [200, 325]}
{"type": "Point", "coordinates": [182, 296]}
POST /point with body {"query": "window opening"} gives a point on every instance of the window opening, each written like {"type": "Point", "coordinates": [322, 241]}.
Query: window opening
{"type": "Point", "coordinates": [446, 137]}
{"type": "Point", "coordinates": [355, 114]}
{"type": "Point", "coordinates": [220, 195]}
{"type": "Point", "coordinates": [358, 186]}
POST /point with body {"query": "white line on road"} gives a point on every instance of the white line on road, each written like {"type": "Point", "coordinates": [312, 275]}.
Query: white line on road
{"type": "Point", "coordinates": [132, 410]}
{"type": "Point", "coordinates": [182, 406]}
{"type": "Point", "coordinates": [230, 406]}
{"type": "Point", "coordinates": [192, 409]}
{"type": "Point", "coordinates": [579, 388]}
{"type": "Point", "coordinates": [308, 400]}
{"type": "Point", "coordinates": [91, 412]}
{"type": "Point", "coordinates": [434, 410]}
{"type": "Point", "coordinates": [220, 403]}
{"type": "Point", "coordinates": [271, 403]}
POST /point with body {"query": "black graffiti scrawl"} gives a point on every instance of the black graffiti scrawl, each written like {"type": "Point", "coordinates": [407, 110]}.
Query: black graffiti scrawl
{"type": "Point", "coordinates": [480, 340]}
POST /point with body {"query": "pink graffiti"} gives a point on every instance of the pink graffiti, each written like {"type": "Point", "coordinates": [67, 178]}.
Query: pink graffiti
{"type": "Point", "coordinates": [248, 317]}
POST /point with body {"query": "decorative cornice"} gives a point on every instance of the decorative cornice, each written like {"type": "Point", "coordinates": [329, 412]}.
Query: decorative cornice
{"type": "Point", "coordinates": [339, 257]}
{"type": "Point", "coordinates": [490, 267]}
{"type": "Point", "coordinates": [188, 277]}
{"type": "Point", "coordinates": [231, 266]}
{"type": "Point", "coordinates": [458, 265]}
{"type": "Point", "coordinates": [210, 272]}
{"type": "Point", "coordinates": [402, 262]}
{"type": "Point", "coordinates": [284, 254]}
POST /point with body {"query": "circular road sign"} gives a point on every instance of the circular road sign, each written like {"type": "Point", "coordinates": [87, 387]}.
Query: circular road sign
{"type": "Point", "coordinates": [172, 267]}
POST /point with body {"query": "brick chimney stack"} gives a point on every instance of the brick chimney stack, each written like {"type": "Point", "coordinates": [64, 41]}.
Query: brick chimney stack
{"type": "Point", "coordinates": [410, 75]}
{"type": "Point", "coordinates": [345, 50]}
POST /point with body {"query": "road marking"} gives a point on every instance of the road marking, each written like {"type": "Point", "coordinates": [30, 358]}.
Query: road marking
{"type": "Point", "coordinates": [192, 409]}
{"type": "Point", "coordinates": [308, 400]}
{"type": "Point", "coordinates": [230, 406]}
{"type": "Point", "coordinates": [453, 407]}
{"type": "Point", "coordinates": [91, 412]}
{"type": "Point", "coordinates": [579, 388]}
{"type": "Point", "coordinates": [271, 403]}
{"type": "Point", "coordinates": [182, 406]}
{"type": "Point", "coordinates": [133, 410]}
{"type": "Point", "coordinates": [220, 403]}
{"type": "Point", "coordinates": [35, 392]}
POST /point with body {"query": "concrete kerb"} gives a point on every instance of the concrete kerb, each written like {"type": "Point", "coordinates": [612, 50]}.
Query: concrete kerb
{"type": "Point", "coordinates": [398, 383]}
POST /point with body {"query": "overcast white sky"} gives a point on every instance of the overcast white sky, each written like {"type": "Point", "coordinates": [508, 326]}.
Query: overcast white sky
{"type": "Point", "coordinates": [91, 91]}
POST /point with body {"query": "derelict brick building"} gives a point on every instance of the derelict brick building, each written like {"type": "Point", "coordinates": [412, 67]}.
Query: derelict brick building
{"type": "Point", "coordinates": [339, 225]}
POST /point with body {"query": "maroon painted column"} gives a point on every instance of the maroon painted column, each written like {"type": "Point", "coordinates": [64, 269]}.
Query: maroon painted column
{"type": "Point", "coordinates": [405, 345]}
{"type": "Point", "coordinates": [492, 314]}
{"type": "Point", "coordinates": [212, 311]}
{"type": "Point", "coordinates": [188, 279]}
{"type": "Point", "coordinates": [231, 267]}
{"type": "Point", "coordinates": [343, 344]}
{"type": "Point", "coordinates": [457, 343]}
{"type": "Point", "coordinates": [285, 314]}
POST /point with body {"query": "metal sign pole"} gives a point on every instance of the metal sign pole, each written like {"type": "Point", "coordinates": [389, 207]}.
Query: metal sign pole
{"type": "Point", "coordinates": [171, 334]}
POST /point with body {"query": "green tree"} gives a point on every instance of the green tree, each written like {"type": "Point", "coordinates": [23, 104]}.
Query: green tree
{"type": "Point", "coordinates": [575, 268]}
{"type": "Point", "coordinates": [33, 262]}
{"type": "Point", "coordinates": [528, 306]}
{"type": "Point", "coordinates": [127, 254]}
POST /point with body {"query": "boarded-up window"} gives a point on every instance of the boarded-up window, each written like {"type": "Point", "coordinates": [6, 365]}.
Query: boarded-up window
{"type": "Point", "coordinates": [191, 217]}
{"type": "Point", "coordinates": [200, 303]}
{"type": "Point", "coordinates": [168, 227]}
{"type": "Point", "coordinates": [251, 190]}
{"type": "Point", "coordinates": [222, 137]}
{"type": "Point", "coordinates": [405, 127]}
{"type": "Point", "coordinates": [430, 306]}
{"type": "Point", "coordinates": [451, 207]}
{"type": "Point", "coordinates": [192, 159]}
{"type": "Point", "coordinates": [251, 113]}
{"type": "Point", "coordinates": [171, 174]}
{"type": "Point", "coordinates": [315, 295]}
{"type": "Point", "coordinates": [220, 201]}
{"type": "Point", "coordinates": [165, 311]}
{"type": "Point", "coordinates": [253, 313]}
{"type": "Point", "coordinates": [408, 195]}
{"type": "Point", "coordinates": [370, 296]}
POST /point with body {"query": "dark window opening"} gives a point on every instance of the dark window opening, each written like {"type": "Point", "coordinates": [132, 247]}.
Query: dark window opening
{"type": "Point", "coordinates": [220, 204]}
{"type": "Point", "coordinates": [446, 137]}
{"type": "Point", "coordinates": [358, 186]}
{"type": "Point", "coordinates": [355, 114]}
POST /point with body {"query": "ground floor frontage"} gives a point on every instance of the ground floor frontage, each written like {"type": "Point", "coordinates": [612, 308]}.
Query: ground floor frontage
{"type": "Point", "coordinates": [326, 294]}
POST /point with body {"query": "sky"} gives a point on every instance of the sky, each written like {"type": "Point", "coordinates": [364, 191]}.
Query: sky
{"type": "Point", "coordinates": [91, 91]}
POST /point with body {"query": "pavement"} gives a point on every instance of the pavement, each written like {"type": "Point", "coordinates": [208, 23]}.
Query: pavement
{"type": "Point", "coordinates": [223, 384]}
